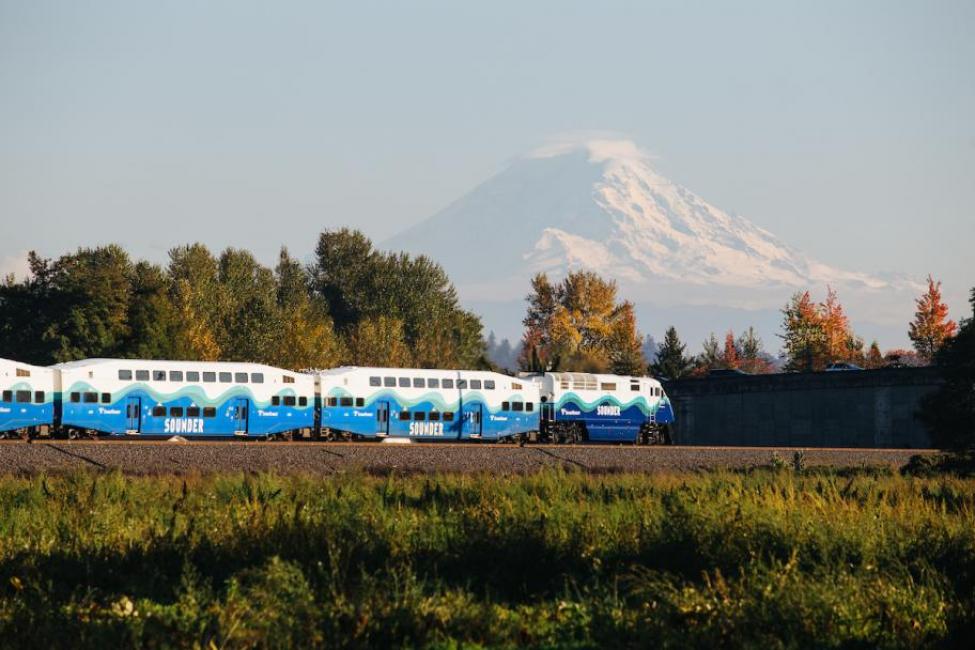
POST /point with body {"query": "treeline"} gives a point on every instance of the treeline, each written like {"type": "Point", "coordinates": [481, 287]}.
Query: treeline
{"type": "Point", "coordinates": [351, 305]}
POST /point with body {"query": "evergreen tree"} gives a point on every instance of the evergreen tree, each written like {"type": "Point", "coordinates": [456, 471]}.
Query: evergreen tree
{"type": "Point", "coordinates": [949, 413]}
{"type": "Point", "coordinates": [874, 358]}
{"type": "Point", "coordinates": [752, 357]}
{"type": "Point", "coordinates": [671, 362]}
{"type": "Point", "coordinates": [710, 358]}
{"type": "Point", "coordinates": [931, 327]}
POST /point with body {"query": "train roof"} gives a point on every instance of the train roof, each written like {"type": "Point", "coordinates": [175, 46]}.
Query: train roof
{"type": "Point", "coordinates": [165, 364]}
{"type": "Point", "coordinates": [583, 378]}
{"type": "Point", "coordinates": [417, 372]}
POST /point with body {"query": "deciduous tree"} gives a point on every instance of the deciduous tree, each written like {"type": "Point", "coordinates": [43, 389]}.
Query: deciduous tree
{"type": "Point", "coordinates": [931, 326]}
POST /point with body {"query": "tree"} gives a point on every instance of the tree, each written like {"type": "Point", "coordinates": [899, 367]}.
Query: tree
{"type": "Point", "coordinates": [305, 337]}
{"type": "Point", "coordinates": [578, 325]}
{"type": "Point", "coordinates": [710, 357]}
{"type": "Point", "coordinates": [671, 362]}
{"type": "Point", "coordinates": [804, 340]}
{"type": "Point", "coordinates": [949, 413]}
{"type": "Point", "coordinates": [817, 334]}
{"type": "Point", "coordinates": [874, 358]}
{"type": "Point", "coordinates": [196, 294]}
{"type": "Point", "coordinates": [379, 342]}
{"type": "Point", "coordinates": [729, 356]}
{"type": "Point", "coordinates": [359, 284]}
{"type": "Point", "coordinates": [625, 343]}
{"type": "Point", "coordinates": [752, 357]}
{"type": "Point", "coordinates": [930, 328]}
{"type": "Point", "coordinates": [154, 324]}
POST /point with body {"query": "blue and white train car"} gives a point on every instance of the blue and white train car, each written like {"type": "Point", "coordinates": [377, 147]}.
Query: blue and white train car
{"type": "Point", "coordinates": [427, 404]}
{"type": "Point", "coordinates": [26, 398]}
{"type": "Point", "coordinates": [581, 407]}
{"type": "Point", "coordinates": [187, 398]}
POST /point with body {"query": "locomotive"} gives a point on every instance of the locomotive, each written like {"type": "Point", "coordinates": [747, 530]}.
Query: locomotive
{"type": "Point", "coordinates": [131, 398]}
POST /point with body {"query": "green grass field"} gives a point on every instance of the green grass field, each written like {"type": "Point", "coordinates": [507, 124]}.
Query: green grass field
{"type": "Point", "coordinates": [767, 558]}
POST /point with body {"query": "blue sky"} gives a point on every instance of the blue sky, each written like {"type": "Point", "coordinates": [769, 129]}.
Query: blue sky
{"type": "Point", "coordinates": [843, 127]}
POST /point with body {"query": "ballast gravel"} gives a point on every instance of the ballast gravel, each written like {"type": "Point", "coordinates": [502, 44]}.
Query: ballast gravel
{"type": "Point", "coordinates": [154, 458]}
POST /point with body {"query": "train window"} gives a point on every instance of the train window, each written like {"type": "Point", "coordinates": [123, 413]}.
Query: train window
{"type": "Point", "coordinates": [257, 377]}
{"type": "Point", "coordinates": [159, 411]}
{"type": "Point", "coordinates": [240, 377]}
{"type": "Point", "coordinates": [23, 396]}
{"type": "Point", "coordinates": [159, 375]}
{"type": "Point", "coordinates": [75, 397]}
{"type": "Point", "coordinates": [375, 381]}
{"type": "Point", "coordinates": [193, 411]}
{"type": "Point", "coordinates": [23, 372]}
{"type": "Point", "coordinates": [226, 377]}
{"type": "Point", "coordinates": [275, 400]}
{"type": "Point", "coordinates": [529, 406]}
{"type": "Point", "coordinates": [209, 377]}
{"type": "Point", "coordinates": [419, 382]}
{"type": "Point", "coordinates": [607, 386]}
{"type": "Point", "coordinates": [515, 386]}
{"type": "Point", "coordinates": [448, 383]}
{"type": "Point", "coordinates": [433, 383]}
{"type": "Point", "coordinates": [175, 411]}
{"type": "Point", "coordinates": [302, 401]}
{"type": "Point", "coordinates": [142, 375]}
{"type": "Point", "coordinates": [289, 400]}
{"type": "Point", "coordinates": [434, 416]}
{"type": "Point", "coordinates": [360, 401]}
{"type": "Point", "coordinates": [448, 416]}
{"type": "Point", "coordinates": [489, 384]}
{"type": "Point", "coordinates": [419, 416]}
{"type": "Point", "coordinates": [8, 395]}
{"type": "Point", "coordinates": [517, 406]}
{"type": "Point", "coordinates": [404, 415]}
{"type": "Point", "coordinates": [404, 382]}
{"type": "Point", "coordinates": [175, 375]}
{"type": "Point", "coordinates": [505, 406]}
{"type": "Point", "coordinates": [125, 375]}
{"type": "Point", "coordinates": [106, 398]}
{"type": "Point", "coordinates": [634, 385]}
{"type": "Point", "coordinates": [209, 412]}
{"type": "Point", "coordinates": [39, 397]}
{"type": "Point", "coordinates": [193, 375]}
{"type": "Point", "coordinates": [345, 401]}
{"type": "Point", "coordinates": [90, 398]}
{"type": "Point", "coordinates": [389, 382]}
{"type": "Point", "coordinates": [461, 383]}
{"type": "Point", "coordinates": [331, 401]}
{"type": "Point", "coordinates": [475, 384]}
{"type": "Point", "coordinates": [288, 379]}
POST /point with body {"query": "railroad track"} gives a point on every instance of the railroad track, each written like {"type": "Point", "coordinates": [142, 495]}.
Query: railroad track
{"type": "Point", "coordinates": [163, 457]}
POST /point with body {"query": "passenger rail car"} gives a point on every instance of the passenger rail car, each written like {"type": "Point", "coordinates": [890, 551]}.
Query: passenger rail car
{"type": "Point", "coordinates": [426, 404]}
{"type": "Point", "coordinates": [27, 399]}
{"type": "Point", "coordinates": [189, 398]}
{"type": "Point", "coordinates": [583, 407]}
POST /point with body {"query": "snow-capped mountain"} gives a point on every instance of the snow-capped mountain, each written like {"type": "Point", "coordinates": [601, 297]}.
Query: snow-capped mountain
{"type": "Point", "coordinates": [598, 204]}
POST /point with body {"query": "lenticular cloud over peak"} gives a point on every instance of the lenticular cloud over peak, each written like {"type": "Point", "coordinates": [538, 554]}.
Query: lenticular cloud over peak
{"type": "Point", "coordinates": [600, 147]}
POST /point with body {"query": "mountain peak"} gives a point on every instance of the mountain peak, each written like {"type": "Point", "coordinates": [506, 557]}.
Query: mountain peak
{"type": "Point", "coordinates": [594, 202]}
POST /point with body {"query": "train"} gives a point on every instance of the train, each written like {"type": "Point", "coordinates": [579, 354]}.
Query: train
{"type": "Point", "coordinates": [133, 398]}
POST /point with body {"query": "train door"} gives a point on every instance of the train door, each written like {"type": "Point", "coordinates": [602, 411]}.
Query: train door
{"type": "Point", "coordinates": [382, 418]}
{"type": "Point", "coordinates": [240, 416]}
{"type": "Point", "coordinates": [547, 416]}
{"type": "Point", "coordinates": [133, 415]}
{"type": "Point", "coordinates": [472, 419]}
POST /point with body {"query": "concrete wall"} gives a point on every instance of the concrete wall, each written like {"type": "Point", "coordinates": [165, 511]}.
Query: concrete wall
{"type": "Point", "coordinates": [868, 408]}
